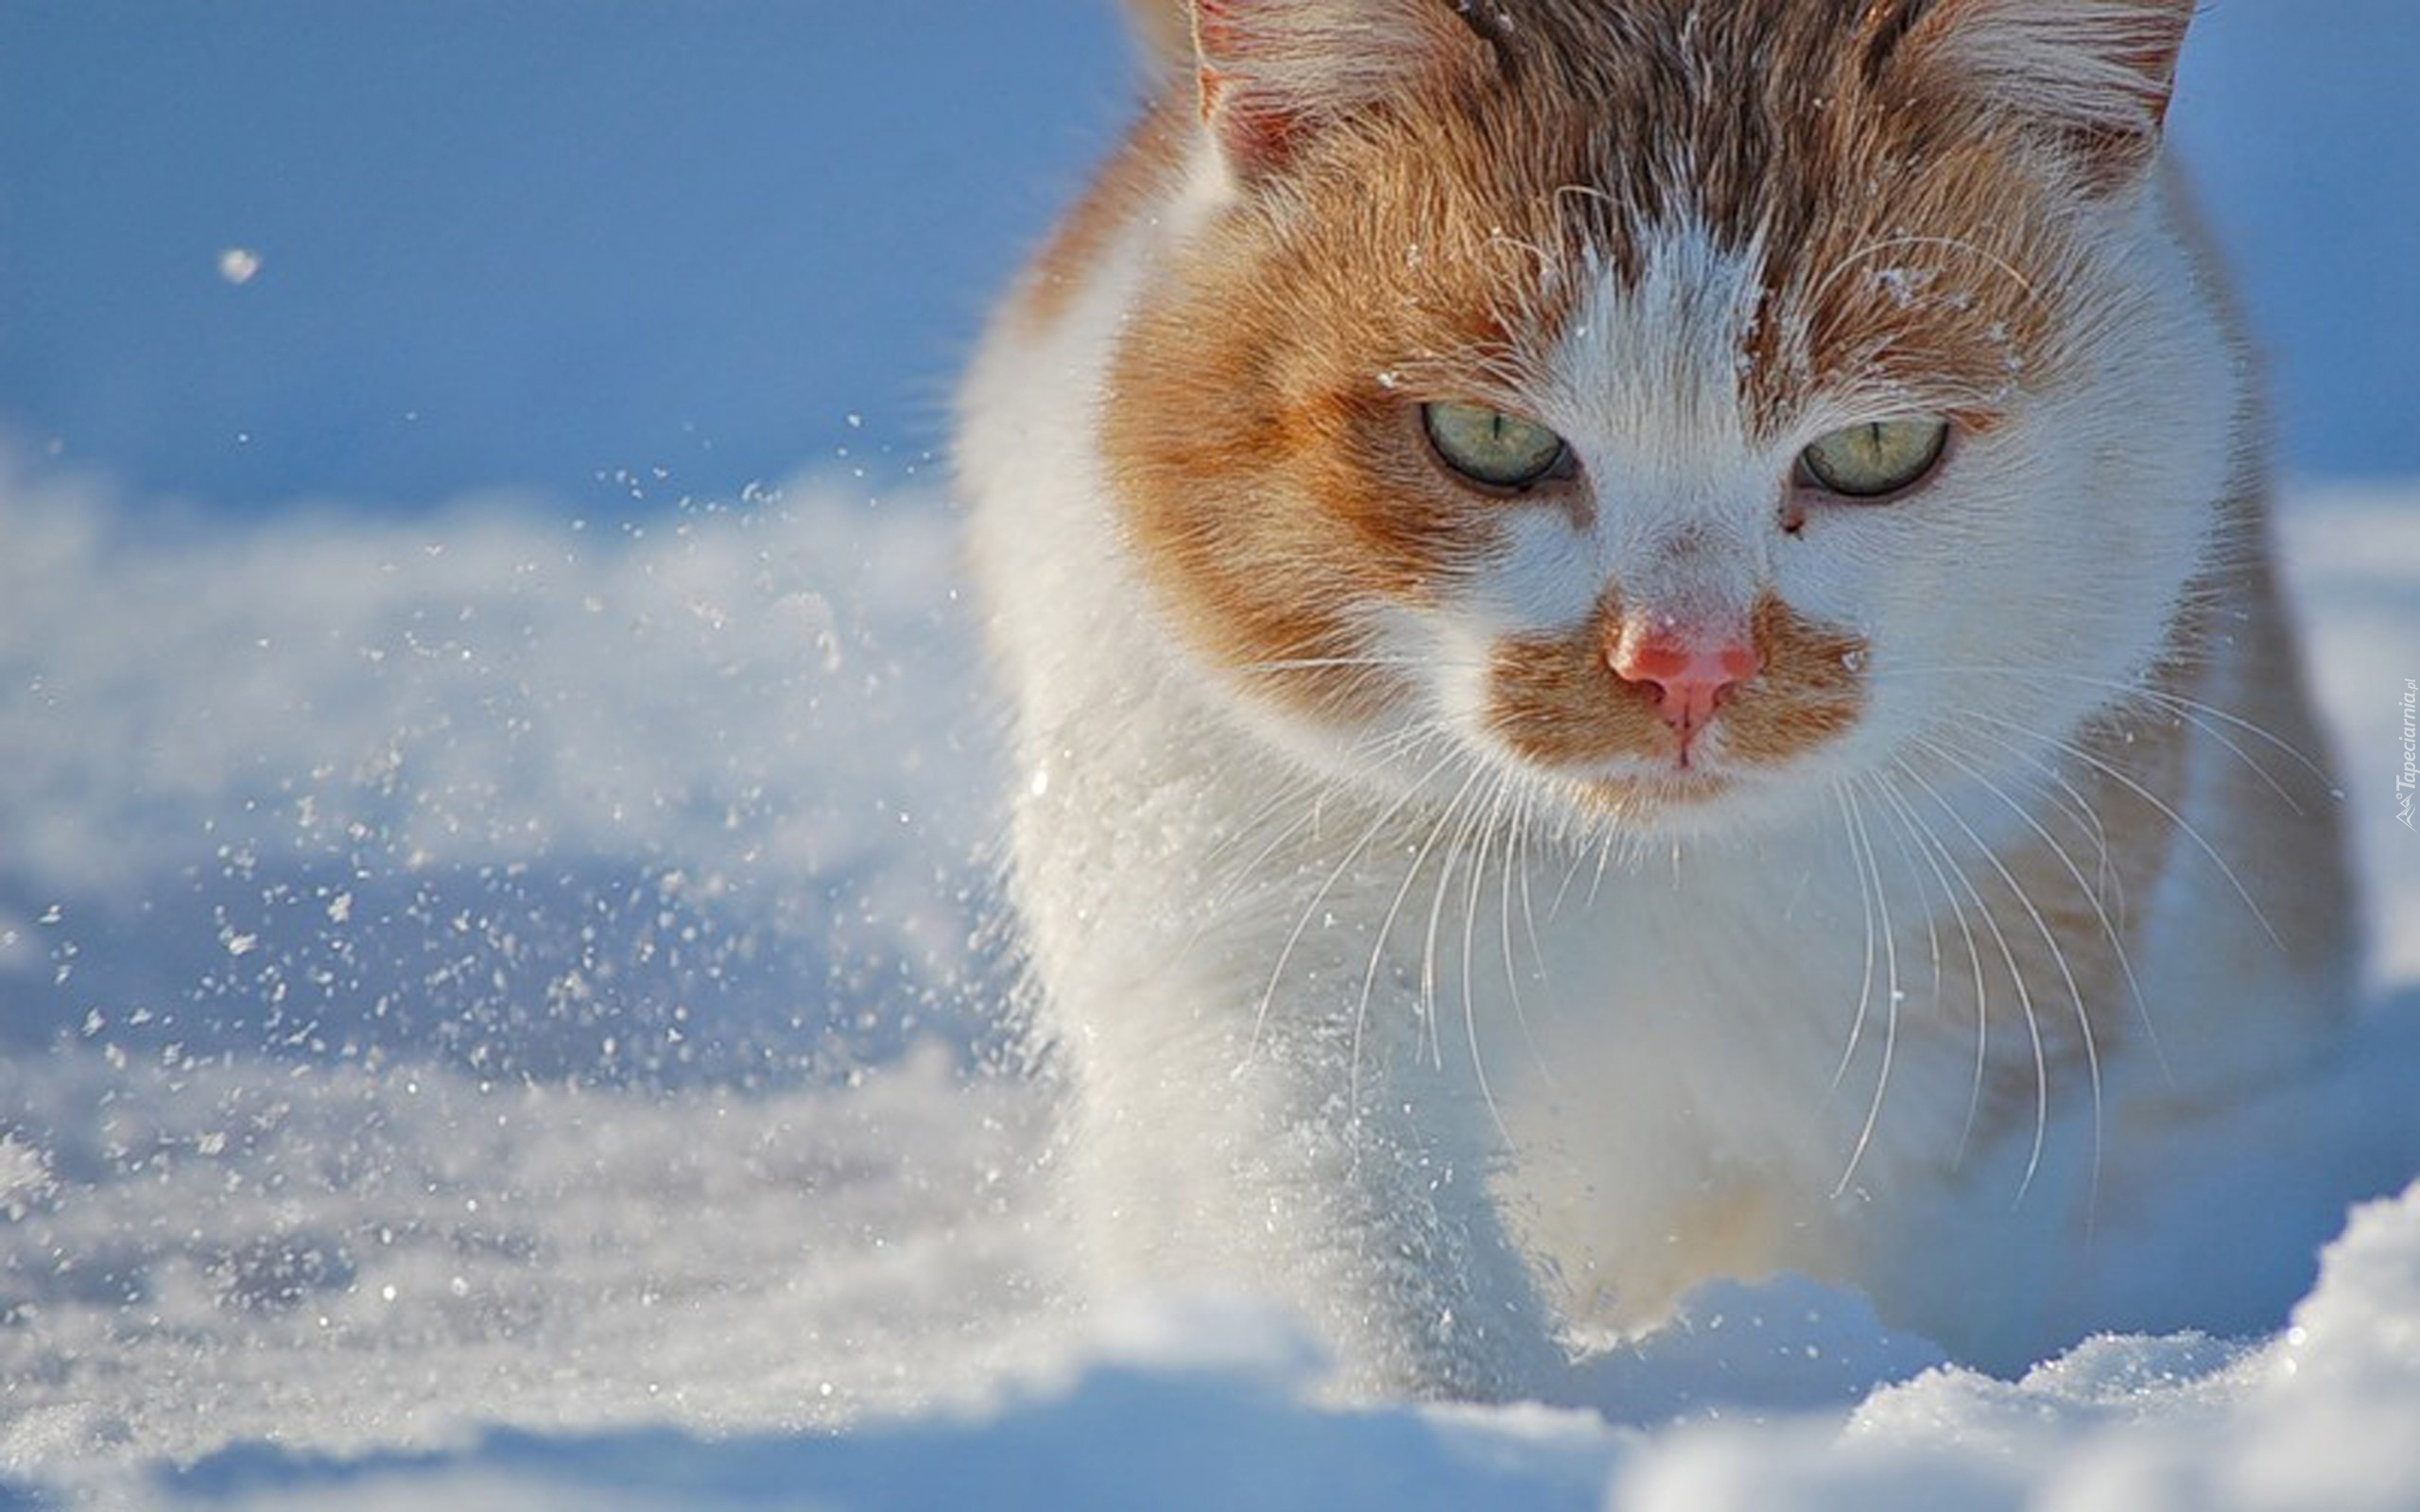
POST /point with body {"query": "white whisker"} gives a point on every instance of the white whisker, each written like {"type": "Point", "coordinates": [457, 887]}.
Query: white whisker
{"type": "Point", "coordinates": [2058, 957]}
{"type": "Point", "coordinates": [1487, 821]}
{"type": "Point", "coordinates": [2203, 716]}
{"type": "Point", "coordinates": [1892, 244]}
{"type": "Point", "coordinates": [1870, 872]}
{"type": "Point", "coordinates": [1865, 983]}
{"type": "Point", "coordinates": [2016, 979]}
{"type": "Point", "coordinates": [2184, 826]}
{"type": "Point", "coordinates": [1353, 853]}
{"type": "Point", "coordinates": [2100, 911]}
{"type": "Point", "coordinates": [1516, 860]}
{"type": "Point", "coordinates": [1916, 839]}
{"type": "Point", "coordinates": [1462, 822]}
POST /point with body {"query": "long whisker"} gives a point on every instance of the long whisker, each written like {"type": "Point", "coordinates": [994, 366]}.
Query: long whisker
{"type": "Point", "coordinates": [1865, 984]}
{"type": "Point", "coordinates": [1516, 860]}
{"type": "Point", "coordinates": [2203, 717]}
{"type": "Point", "coordinates": [1316, 663]}
{"type": "Point", "coordinates": [1891, 243]}
{"type": "Point", "coordinates": [2016, 979]}
{"type": "Point", "coordinates": [2100, 911]}
{"type": "Point", "coordinates": [1487, 828]}
{"type": "Point", "coordinates": [1377, 955]}
{"type": "Point", "coordinates": [1870, 870]}
{"type": "Point", "coordinates": [1370, 753]}
{"type": "Point", "coordinates": [1316, 789]}
{"type": "Point", "coordinates": [1570, 874]}
{"type": "Point", "coordinates": [1924, 900]}
{"type": "Point", "coordinates": [2184, 826]}
{"type": "Point", "coordinates": [1523, 822]}
{"type": "Point", "coordinates": [1463, 822]}
{"type": "Point", "coordinates": [1910, 831]}
{"type": "Point", "coordinates": [1377, 947]}
{"type": "Point", "coordinates": [2058, 957]}
{"type": "Point", "coordinates": [1302, 925]}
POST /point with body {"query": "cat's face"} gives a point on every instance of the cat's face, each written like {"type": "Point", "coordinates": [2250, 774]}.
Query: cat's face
{"type": "Point", "coordinates": [1675, 411]}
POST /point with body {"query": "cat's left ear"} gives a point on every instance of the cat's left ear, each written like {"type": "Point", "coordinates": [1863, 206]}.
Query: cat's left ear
{"type": "Point", "coordinates": [1277, 72]}
{"type": "Point", "coordinates": [2099, 73]}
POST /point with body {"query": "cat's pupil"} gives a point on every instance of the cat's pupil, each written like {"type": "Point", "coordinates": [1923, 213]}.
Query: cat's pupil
{"type": "Point", "coordinates": [1877, 459]}
{"type": "Point", "coordinates": [1492, 448]}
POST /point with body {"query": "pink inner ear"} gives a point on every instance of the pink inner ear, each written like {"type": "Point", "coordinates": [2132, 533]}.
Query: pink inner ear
{"type": "Point", "coordinates": [1258, 135]}
{"type": "Point", "coordinates": [1214, 27]}
{"type": "Point", "coordinates": [1273, 72]}
{"type": "Point", "coordinates": [1256, 130]}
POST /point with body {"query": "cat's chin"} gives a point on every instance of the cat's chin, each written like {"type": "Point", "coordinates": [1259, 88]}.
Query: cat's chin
{"type": "Point", "coordinates": [1645, 794]}
{"type": "Point", "coordinates": [1642, 801]}
{"type": "Point", "coordinates": [1670, 802]}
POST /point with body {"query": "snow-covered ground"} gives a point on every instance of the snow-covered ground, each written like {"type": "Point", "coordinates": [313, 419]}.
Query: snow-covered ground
{"type": "Point", "coordinates": [498, 1011]}
{"type": "Point", "coordinates": [500, 1015]}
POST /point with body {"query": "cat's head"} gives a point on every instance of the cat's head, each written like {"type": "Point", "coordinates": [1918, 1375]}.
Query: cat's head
{"type": "Point", "coordinates": [1676, 408]}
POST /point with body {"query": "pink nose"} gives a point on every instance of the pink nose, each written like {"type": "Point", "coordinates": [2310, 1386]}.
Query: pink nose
{"type": "Point", "coordinates": [1694, 673]}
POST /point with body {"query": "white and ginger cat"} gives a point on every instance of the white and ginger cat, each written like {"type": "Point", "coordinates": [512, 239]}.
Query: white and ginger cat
{"type": "Point", "coordinates": [1644, 650]}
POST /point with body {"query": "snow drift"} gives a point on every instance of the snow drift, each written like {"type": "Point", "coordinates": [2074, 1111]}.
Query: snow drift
{"type": "Point", "coordinates": [501, 1014]}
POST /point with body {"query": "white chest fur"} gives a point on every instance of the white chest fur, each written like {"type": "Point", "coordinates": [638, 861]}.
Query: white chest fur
{"type": "Point", "coordinates": [1456, 1089]}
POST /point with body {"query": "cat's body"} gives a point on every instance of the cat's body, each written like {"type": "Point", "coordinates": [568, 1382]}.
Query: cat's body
{"type": "Point", "coordinates": [1477, 911]}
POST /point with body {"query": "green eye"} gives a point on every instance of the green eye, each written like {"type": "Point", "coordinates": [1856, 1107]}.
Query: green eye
{"type": "Point", "coordinates": [1492, 448]}
{"type": "Point", "coordinates": [1877, 459]}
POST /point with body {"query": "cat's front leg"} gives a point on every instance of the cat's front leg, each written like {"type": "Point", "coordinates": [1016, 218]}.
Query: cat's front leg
{"type": "Point", "coordinates": [1230, 1143]}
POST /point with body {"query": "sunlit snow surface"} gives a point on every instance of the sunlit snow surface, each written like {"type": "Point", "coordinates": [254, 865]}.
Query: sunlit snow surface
{"type": "Point", "coordinates": [498, 1014]}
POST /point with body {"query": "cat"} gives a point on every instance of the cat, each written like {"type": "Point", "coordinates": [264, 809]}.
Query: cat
{"type": "Point", "coordinates": [1644, 650]}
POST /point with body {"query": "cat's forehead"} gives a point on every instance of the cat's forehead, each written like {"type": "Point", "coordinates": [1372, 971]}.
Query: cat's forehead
{"type": "Point", "coordinates": [1717, 195]}
{"type": "Point", "coordinates": [1654, 355]}
{"type": "Point", "coordinates": [1727, 110]}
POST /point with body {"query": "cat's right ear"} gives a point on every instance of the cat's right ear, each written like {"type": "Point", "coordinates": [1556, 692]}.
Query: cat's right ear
{"type": "Point", "coordinates": [2098, 73]}
{"type": "Point", "coordinates": [1274, 74]}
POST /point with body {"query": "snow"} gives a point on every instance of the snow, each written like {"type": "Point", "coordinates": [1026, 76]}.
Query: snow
{"type": "Point", "coordinates": [501, 1015]}
{"type": "Point", "coordinates": [497, 1009]}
